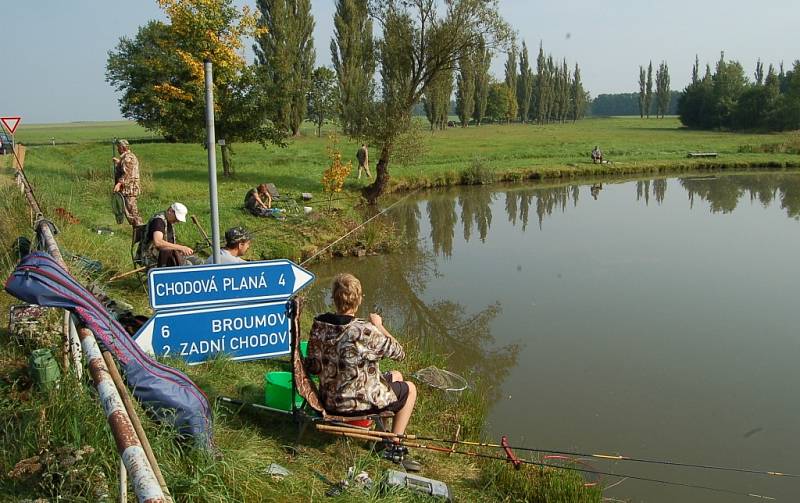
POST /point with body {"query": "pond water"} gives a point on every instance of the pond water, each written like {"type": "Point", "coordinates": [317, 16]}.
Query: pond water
{"type": "Point", "coordinates": [651, 318]}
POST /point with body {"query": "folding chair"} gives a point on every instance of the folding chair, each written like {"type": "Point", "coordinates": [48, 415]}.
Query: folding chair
{"type": "Point", "coordinates": [139, 253]}
{"type": "Point", "coordinates": [311, 411]}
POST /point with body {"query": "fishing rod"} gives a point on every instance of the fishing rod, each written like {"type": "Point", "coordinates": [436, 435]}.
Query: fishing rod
{"type": "Point", "coordinates": [377, 438]}
{"type": "Point", "coordinates": [607, 457]}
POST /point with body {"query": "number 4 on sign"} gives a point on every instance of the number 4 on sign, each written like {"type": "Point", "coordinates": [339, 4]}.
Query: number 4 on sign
{"type": "Point", "coordinates": [282, 280]}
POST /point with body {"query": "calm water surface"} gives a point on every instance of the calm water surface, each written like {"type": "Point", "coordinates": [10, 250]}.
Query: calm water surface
{"type": "Point", "coordinates": [652, 318]}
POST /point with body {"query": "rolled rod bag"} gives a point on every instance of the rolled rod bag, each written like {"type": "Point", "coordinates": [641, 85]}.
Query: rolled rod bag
{"type": "Point", "coordinates": [166, 393]}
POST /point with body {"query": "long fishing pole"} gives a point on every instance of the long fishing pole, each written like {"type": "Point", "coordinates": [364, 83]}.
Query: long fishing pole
{"type": "Point", "coordinates": [368, 436]}
{"type": "Point", "coordinates": [608, 457]}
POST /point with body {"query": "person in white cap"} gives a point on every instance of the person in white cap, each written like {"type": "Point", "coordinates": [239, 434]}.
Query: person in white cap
{"type": "Point", "coordinates": [160, 243]}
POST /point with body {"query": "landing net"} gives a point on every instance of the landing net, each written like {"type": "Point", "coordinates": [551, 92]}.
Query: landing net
{"type": "Point", "coordinates": [441, 379]}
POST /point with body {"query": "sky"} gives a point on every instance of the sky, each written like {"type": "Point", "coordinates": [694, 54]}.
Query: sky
{"type": "Point", "coordinates": [55, 51]}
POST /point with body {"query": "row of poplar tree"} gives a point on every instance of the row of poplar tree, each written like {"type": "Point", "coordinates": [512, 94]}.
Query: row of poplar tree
{"type": "Point", "coordinates": [552, 94]}
{"type": "Point", "coordinates": [727, 99]}
{"type": "Point", "coordinates": [662, 93]}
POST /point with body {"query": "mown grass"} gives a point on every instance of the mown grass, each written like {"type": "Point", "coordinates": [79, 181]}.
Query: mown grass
{"type": "Point", "coordinates": [76, 176]}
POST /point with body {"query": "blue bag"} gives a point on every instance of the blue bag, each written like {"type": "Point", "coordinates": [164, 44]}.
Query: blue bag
{"type": "Point", "coordinates": [166, 393]}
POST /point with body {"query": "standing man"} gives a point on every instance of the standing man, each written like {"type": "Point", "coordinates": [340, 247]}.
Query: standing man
{"type": "Point", "coordinates": [237, 242]}
{"type": "Point", "coordinates": [159, 243]}
{"type": "Point", "coordinates": [126, 181]}
{"type": "Point", "coordinates": [363, 160]}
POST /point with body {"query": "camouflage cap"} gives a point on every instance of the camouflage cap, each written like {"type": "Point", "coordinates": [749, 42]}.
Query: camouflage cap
{"type": "Point", "coordinates": [123, 143]}
{"type": "Point", "coordinates": [236, 235]}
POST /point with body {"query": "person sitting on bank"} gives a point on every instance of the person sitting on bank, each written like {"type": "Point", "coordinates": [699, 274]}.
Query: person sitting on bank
{"type": "Point", "coordinates": [597, 155]}
{"type": "Point", "coordinates": [237, 242]}
{"type": "Point", "coordinates": [345, 352]}
{"type": "Point", "coordinates": [258, 201]}
{"type": "Point", "coordinates": [160, 245]}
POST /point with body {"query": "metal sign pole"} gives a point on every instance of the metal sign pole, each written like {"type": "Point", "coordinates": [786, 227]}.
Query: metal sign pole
{"type": "Point", "coordinates": [212, 162]}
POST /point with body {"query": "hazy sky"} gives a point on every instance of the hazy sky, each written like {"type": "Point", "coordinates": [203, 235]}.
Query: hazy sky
{"type": "Point", "coordinates": [54, 51]}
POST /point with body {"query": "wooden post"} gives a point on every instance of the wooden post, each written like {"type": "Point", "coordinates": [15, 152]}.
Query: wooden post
{"type": "Point", "coordinates": [19, 156]}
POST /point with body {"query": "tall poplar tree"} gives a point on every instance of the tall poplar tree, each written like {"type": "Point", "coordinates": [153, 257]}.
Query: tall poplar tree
{"type": "Point", "coordinates": [524, 84]}
{"type": "Point", "coordinates": [483, 60]}
{"type": "Point", "coordinates": [642, 91]}
{"type": "Point", "coordinates": [541, 87]}
{"type": "Point", "coordinates": [578, 96]}
{"type": "Point", "coordinates": [648, 95]}
{"type": "Point", "coordinates": [511, 82]}
{"type": "Point", "coordinates": [696, 70]}
{"type": "Point", "coordinates": [436, 100]}
{"type": "Point", "coordinates": [465, 91]}
{"type": "Point", "coordinates": [285, 55]}
{"type": "Point", "coordinates": [662, 89]}
{"type": "Point", "coordinates": [354, 59]}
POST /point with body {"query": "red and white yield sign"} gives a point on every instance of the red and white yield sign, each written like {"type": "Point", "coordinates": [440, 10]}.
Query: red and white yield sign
{"type": "Point", "coordinates": [10, 123]}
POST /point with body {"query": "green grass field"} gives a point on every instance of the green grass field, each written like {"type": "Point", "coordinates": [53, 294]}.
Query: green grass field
{"type": "Point", "coordinates": [76, 175]}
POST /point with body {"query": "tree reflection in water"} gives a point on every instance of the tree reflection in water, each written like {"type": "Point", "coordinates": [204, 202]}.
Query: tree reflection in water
{"type": "Point", "coordinates": [395, 285]}
{"type": "Point", "coordinates": [724, 192]}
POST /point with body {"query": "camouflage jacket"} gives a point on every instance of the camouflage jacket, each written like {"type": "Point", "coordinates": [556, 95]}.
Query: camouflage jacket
{"type": "Point", "coordinates": [126, 172]}
{"type": "Point", "coordinates": [346, 358]}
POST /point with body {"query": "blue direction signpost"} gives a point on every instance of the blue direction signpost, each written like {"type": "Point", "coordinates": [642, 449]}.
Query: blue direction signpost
{"type": "Point", "coordinates": [203, 311]}
{"type": "Point", "coordinates": [242, 332]}
{"type": "Point", "coordinates": [182, 287]}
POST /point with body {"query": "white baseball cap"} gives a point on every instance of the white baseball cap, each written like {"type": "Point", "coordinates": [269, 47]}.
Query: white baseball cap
{"type": "Point", "coordinates": [180, 211]}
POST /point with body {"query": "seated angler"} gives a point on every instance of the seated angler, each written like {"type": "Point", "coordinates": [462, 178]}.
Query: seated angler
{"type": "Point", "coordinates": [159, 241]}
{"type": "Point", "coordinates": [597, 155]}
{"type": "Point", "coordinates": [345, 352]}
{"type": "Point", "coordinates": [237, 242]}
{"type": "Point", "coordinates": [258, 201]}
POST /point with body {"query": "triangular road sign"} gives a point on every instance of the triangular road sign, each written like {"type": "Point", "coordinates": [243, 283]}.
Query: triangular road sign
{"type": "Point", "coordinates": [10, 123]}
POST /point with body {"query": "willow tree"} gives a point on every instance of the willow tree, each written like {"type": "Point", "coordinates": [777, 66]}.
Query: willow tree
{"type": "Point", "coordinates": [160, 75]}
{"type": "Point", "coordinates": [421, 39]}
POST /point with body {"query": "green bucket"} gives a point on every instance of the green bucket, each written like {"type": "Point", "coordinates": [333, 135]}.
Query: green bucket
{"type": "Point", "coordinates": [278, 391]}
{"type": "Point", "coordinates": [44, 369]}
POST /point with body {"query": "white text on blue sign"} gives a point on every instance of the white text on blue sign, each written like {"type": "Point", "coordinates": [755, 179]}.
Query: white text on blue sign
{"type": "Point", "coordinates": [181, 287]}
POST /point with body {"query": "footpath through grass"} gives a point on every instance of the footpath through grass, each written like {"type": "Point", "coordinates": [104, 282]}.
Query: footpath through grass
{"type": "Point", "coordinates": [75, 175]}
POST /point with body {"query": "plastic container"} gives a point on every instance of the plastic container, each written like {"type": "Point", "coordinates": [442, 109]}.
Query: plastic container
{"type": "Point", "coordinates": [278, 391]}
{"type": "Point", "coordinates": [44, 369]}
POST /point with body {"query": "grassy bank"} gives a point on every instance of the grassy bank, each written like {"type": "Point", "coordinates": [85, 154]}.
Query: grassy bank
{"type": "Point", "coordinates": [75, 176]}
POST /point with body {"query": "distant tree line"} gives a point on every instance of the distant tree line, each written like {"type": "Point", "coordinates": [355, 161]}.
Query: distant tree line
{"type": "Point", "coordinates": [554, 93]}
{"type": "Point", "coordinates": [627, 104]}
{"type": "Point", "coordinates": [727, 99]}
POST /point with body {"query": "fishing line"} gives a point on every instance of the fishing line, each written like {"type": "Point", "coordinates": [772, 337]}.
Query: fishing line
{"type": "Point", "coordinates": [368, 436]}
{"type": "Point", "coordinates": [358, 227]}
{"type": "Point", "coordinates": [608, 457]}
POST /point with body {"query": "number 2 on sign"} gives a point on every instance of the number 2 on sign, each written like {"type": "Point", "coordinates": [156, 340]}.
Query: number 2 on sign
{"type": "Point", "coordinates": [282, 281]}
{"type": "Point", "coordinates": [165, 331]}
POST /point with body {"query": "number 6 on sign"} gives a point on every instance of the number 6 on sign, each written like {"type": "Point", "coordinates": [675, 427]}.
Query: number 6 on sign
{"type": "Point", "coordinates": [165, 331]}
